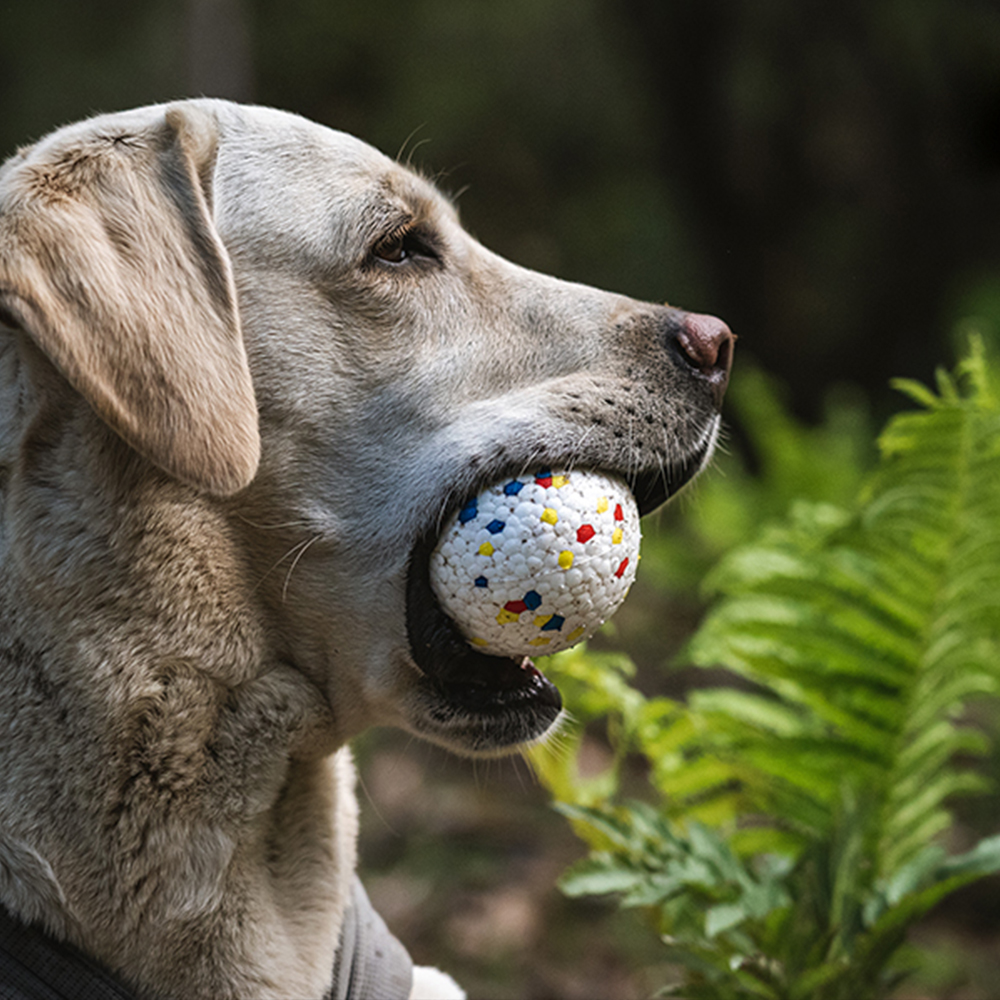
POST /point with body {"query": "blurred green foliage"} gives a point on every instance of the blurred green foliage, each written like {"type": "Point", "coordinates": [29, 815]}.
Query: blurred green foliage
{"type": "Point", "coordinates": [778, 460]}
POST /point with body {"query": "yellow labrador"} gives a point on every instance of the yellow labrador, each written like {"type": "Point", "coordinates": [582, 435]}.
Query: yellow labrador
{"type": "Point", "coordinates": [247, 364]}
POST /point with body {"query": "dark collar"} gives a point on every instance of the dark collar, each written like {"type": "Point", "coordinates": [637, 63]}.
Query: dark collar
{"type": "Point", "coordinates": [369, 963]}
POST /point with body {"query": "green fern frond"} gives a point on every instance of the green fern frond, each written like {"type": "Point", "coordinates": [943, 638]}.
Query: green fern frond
{"type": "Point", "coordinates": [873, 628]}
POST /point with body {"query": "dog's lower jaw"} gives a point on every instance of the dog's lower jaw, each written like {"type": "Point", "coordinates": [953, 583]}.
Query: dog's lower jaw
{"type": "Point", "coordinates": [493, 729]}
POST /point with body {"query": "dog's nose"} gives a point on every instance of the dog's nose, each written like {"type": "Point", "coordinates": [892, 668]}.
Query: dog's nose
{"type": "Point", "coordinates": [706, 344]}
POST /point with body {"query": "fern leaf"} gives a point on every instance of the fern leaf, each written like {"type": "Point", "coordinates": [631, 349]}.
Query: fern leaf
{"type": "Point", "coordinates": [870, 630]}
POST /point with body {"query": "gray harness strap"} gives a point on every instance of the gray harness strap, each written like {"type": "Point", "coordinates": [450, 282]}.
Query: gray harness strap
{"type": "Point", "coordinates": [370, 963]}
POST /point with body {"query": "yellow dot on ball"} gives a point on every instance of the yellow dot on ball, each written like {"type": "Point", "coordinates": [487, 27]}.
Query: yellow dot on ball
{"type": "Point", "coordinates": [486, 549]}
{"type": "Point", "coordinates": [540, 641]}
{"type": "Point", "coordinates": [565, 559]}
{"type": "Point", "coordinates": [476, 641]}
{"type": "Point", "coordinates": [549, 516]}
{"type": "Point", "coordinates": [505, 617]}
{"type": "Point", "coordinates": [602, 505]}
{"type": "Point", "coordinates": [542, 620]}
{"type": "Point", "coordinates": [559, 481]}
{"type": "Point", "coordinates": [616, 537]}
{"type": "Point", "coordinates": [576, 633]}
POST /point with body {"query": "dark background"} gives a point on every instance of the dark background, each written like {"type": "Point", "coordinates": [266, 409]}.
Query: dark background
{"type": "Point", "coordinates": [823, 175]}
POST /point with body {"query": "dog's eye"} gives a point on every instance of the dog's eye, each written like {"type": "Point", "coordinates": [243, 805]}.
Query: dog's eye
{"type": "Point", "coordinates": [393, 250]}
{"type": "Point", "coordinates": [405, 245]}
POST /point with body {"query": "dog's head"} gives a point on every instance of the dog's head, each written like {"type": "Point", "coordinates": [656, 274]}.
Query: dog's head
{"type": "Point", "coordinates": [297, 327]}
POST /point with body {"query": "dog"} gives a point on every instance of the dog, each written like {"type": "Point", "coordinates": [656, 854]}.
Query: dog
{"type": "Point", "coordinates": [247, 366]}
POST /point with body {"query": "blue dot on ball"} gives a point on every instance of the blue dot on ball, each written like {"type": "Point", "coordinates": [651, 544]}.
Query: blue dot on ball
{"type": "Point", "coordinates": [481, 581]}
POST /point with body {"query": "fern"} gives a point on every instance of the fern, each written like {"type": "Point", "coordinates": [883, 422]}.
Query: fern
{"type": "Point", "coordinates": [875, 628]}
{"type": "Point", "coordinates": [861, 635]}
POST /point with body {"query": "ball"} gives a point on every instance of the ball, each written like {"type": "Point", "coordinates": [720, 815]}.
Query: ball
{"type": "Point", "coordinates": [538, 563]}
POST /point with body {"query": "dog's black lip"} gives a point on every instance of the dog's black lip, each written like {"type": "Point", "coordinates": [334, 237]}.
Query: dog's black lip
{"type": "Point", "coordinates": [458, 673]}
{"type": "Point", "coordinates": [461, 676]}
{"type": "Point", "coordinates": [654, 487]}
{"type": "Point", "coordinates": [533, 691]}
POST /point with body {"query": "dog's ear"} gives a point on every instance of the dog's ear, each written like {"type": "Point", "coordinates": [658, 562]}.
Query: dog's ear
{"type": "Point", "coordinates": [110, 262]}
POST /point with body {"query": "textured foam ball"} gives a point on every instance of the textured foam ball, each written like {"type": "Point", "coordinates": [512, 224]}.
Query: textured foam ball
{"type": "Point", "coordinates": [536, 564]}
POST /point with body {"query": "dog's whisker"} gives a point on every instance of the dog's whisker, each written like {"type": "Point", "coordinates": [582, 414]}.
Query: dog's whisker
{"type": "Point", "coordinates": [303, 547]}
{"type": "Point", "coordinates": [275, 527]}
{"type": "Point", "coordinates": [371, 801]}
{"type": "Point", "coordinates": [305, 542]}
{"type": "Point", "coordinates": [558, 740]}
{"type": "Point", "coordinates": [407, 141]}
{"type": "Point", "coordinates": [524, 758]}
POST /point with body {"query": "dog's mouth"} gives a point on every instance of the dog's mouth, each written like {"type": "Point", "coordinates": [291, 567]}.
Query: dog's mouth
{"type": "Point", "coordinates": [498, 702]}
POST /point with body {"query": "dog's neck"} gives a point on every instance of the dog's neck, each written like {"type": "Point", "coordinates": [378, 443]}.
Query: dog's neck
{"type": "Point", "coordinates": [168, 798]}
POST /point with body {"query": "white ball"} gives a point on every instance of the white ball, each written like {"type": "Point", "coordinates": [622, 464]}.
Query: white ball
{"type": "Point", "coordinates": [536, 564]}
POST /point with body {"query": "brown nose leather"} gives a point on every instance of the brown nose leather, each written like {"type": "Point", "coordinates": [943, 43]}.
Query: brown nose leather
{"type": "Point", "coordinates": [708, 344]}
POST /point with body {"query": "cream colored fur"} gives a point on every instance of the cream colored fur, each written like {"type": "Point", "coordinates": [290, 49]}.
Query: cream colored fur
{"type": "Point", "coordinates": [223, 423]}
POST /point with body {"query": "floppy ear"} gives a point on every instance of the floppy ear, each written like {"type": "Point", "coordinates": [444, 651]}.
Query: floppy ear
{"type": "Point", "coordinates": [110, 262]}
